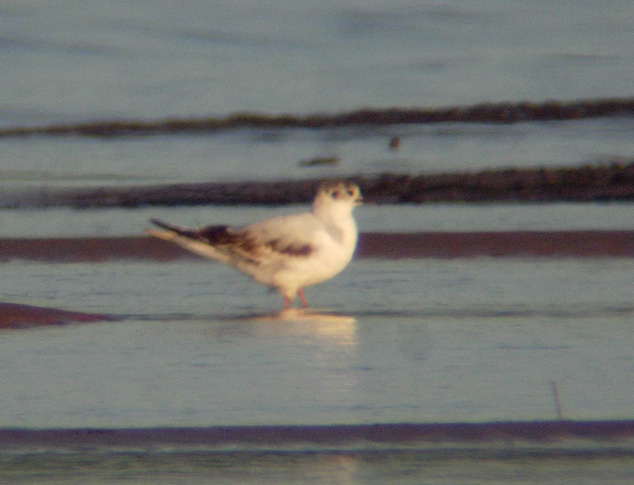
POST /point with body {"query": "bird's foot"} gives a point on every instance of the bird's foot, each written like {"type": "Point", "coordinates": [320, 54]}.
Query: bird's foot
{"type": "Point", "coordinates": [288, 300]}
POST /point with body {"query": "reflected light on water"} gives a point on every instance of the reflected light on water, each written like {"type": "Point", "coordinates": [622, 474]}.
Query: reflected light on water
{"type": "Point", "coordinates": [322, 327]}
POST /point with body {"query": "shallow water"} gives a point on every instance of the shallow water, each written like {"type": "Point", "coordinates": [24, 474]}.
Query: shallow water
{"type": "Point", "coordinates": [395, 467]}
{"type": "Point", "coordinates": [48, 163]}
{"type": "Point", "coordinates": [66, 61]}
{"type": "Point", "coordinates": [429, 341]}
{"type": "Point", "coordinates": [432, 341]}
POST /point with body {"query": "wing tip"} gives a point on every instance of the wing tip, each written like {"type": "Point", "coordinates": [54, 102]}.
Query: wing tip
{"type": "Point", "coordinates": [164, 225]}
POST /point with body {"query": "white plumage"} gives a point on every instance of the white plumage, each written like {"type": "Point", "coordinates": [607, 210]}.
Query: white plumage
{"type": "Point", "coordinates": [287, 253]}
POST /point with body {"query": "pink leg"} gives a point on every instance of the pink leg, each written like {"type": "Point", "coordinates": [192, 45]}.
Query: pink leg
{"type": "Point", "coordinates": [287, 303]}
{"type": "Point", "coordinates": [300, 292]}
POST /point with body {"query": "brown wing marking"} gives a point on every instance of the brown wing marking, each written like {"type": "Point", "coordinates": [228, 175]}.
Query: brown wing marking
{"type": "Point", "coordinates": [222, 236]}
{"type": "Point", "coordinates": [241, 244]}
{"type": "Point", "coordinates": [290, 249]}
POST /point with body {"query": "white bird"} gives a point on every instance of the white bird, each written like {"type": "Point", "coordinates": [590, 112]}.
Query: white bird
{"type": "Point", "coordinates": [287, 253]}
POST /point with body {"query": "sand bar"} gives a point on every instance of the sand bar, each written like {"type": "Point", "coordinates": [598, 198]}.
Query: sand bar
{"type": "Point", "coordinates": [13, 315]}
{"type": "Point", "coordinates": [570, 244]}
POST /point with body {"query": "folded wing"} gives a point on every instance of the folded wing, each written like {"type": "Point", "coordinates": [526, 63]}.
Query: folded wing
{"type": "Point", "coordinates": [257, 243]}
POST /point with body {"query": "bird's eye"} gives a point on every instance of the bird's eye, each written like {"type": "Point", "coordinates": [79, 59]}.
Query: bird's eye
{"type": "Point", "coordinates": [336, 194]}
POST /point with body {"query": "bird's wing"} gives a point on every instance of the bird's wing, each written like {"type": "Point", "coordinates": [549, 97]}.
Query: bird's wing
{"type": "Point", "coordinates": [293, 235]}
{"type": "Point", "coordinates": [257, 243]}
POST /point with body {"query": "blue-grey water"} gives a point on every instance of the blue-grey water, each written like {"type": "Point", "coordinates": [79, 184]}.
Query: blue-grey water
{"type": "Point", "coordinates": [69, 62]}
{"type": "Point", "coordinates": [428, 340]}
{"type": "Point", "coordinates": [76, 61]}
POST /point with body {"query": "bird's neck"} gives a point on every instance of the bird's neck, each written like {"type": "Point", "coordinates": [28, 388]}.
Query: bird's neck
{"type": "Point", "coordinates": [332, 214]}
{"type": "Point", "coordinates": [340, 223]}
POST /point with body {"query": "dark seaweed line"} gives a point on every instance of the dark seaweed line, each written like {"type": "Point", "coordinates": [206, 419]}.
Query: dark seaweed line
{"type": "Point", "coordinates": [614, 182]}
{"type": "Point", "coordinates": [505, 112]}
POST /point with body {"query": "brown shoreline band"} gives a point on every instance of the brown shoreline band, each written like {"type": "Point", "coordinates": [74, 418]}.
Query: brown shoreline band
{"type": "Point", "coordinates": [614, 432]}
{"type": "Point", "coordinates": [554, 244]}
{"type": "Point", "coordinates": [505, 112]}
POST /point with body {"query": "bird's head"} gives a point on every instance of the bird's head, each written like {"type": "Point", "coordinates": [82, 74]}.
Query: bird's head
{"type": "Point", "coordinates": [341, 193]}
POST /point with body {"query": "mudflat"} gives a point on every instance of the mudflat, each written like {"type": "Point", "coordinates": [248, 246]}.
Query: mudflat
{"type": "Point", "coordinates": [573, 244]}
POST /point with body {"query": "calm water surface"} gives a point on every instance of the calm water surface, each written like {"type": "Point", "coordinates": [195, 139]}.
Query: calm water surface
{"type": "Point", "coordinates": [69, 61]}
{"type": "Point", "coordinates": [395, 467]}
{"type": "Point", "coordinates": [65, 62]}
{"type": "Point", "coordinates": [429, 341]}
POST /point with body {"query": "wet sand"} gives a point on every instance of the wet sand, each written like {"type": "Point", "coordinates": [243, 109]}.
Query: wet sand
{"type": "Point", "coordinates": [569, 244]}
{"type": "Point", "coordinates": [13, 315]}
{"type": "Point", "coordinates": [332, 436]}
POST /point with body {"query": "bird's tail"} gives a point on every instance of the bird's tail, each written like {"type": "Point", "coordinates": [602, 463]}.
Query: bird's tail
{"type": "Point", "coordinates": [187, 238]}
{"type": "Point", "coordinates": [169, 227]}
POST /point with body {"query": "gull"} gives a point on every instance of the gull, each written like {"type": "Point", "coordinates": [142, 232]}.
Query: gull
{"type": "Point", "coordinates": [286, 253]}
